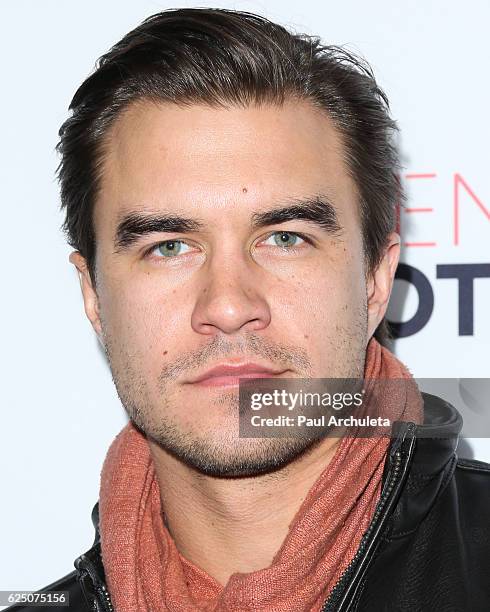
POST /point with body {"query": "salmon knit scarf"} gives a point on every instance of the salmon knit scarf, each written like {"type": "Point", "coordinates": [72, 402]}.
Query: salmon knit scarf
{"type": "Point", "coordinates": [146, 573]}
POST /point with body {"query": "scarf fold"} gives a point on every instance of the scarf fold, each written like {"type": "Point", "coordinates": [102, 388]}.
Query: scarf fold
{"type": "Point", "coordinates": [146, 573]}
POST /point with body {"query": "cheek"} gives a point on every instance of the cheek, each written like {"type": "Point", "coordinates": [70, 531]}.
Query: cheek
{"type": "Point", "coordinates": [323, 312]}
{"type": "Point", "coordinates": [321, 299]}
{"type": "Point", "coordinates": [145, 320]}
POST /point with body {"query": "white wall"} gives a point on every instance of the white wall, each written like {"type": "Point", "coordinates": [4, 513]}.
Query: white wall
{"type": "Point", "coordinates": [59, 408]}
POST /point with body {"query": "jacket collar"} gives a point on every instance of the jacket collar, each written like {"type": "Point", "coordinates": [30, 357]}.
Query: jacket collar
{"type": "Point", "coordinates": [429, 460]}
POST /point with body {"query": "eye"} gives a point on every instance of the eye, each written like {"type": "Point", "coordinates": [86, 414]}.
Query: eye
{"type": "Point", "coordinates": [284, 239]}
{"type": "Point", "coordinates": [169, 248]}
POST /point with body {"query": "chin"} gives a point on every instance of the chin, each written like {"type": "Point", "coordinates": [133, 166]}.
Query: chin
{"type": "Point", "coordinates": [229, 456]}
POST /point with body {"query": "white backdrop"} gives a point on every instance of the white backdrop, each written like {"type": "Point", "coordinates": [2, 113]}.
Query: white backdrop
{"type": "Point", "coordinates": [60, 410]}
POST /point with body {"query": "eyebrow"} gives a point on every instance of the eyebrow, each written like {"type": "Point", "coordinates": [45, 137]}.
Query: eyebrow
{"type": "Point", "coordinates": [318, 210]}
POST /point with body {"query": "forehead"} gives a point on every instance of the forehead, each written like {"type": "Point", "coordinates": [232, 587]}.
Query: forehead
{"type": "Point", "coordinates": [160, 155]}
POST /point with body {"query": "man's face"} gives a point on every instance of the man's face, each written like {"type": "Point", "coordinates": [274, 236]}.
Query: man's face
{"type": "Point", "coordinates": [213, 250]}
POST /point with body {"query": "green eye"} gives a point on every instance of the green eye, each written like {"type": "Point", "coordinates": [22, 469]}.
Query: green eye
{"type": "Point", "coordinates": [170, 248]}
{"type": "Point", "coordinates": [285, 239]}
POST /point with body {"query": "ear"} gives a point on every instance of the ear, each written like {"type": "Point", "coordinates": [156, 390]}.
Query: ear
{"type": "Point", "coordinates": [90, 299]}
{"type": "Point", "coordinates": [380, 283]}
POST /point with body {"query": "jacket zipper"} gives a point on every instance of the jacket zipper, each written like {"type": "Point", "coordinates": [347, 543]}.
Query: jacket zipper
{"type": "Point", "coordinates": [332, 602]}
{"type": "Point", "coordinates": [106, 597]}
{"type": "Point", "coordinates": [86, 569]}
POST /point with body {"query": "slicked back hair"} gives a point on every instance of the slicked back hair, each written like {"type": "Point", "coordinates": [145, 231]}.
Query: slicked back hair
{"type": "Point", "coordinates": [221, 57]}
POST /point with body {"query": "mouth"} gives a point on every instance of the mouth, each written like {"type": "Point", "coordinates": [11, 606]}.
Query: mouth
{"type": "Point", "coordinates": [229, 375]}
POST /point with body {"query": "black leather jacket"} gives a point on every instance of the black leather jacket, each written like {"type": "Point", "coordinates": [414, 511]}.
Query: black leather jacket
{"type": "Point", "coordinates": [427, 548]}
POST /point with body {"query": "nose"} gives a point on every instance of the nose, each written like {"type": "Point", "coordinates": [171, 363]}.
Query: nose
{"type": "Point", "coordinates": [230, 299]}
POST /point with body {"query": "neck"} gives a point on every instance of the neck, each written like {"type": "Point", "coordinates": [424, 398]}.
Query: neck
{"type": "Point", "coordinates": [228, 525]}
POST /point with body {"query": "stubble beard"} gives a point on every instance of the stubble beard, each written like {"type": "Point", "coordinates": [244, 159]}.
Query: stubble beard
{"type": "Point", "coordinates": [227, 455]}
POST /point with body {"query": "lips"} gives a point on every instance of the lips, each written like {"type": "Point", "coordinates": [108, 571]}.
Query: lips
{"type": "Point", "coordinates": [228, 375]}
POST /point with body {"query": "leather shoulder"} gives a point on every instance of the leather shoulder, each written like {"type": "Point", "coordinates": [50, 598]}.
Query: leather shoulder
{"type": "Point", "coordinates": [68, 583]}
{"type": "Point", "coordinates": [474, 465]}
{"type": "Point", "coordinates": [472, 478]}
